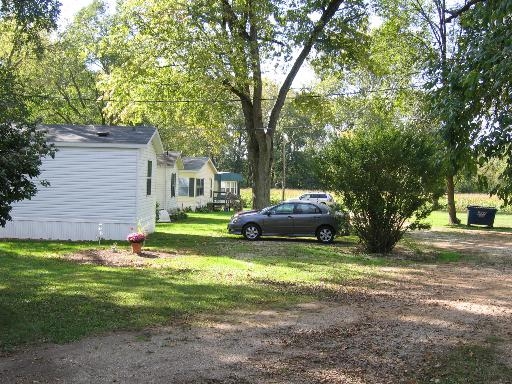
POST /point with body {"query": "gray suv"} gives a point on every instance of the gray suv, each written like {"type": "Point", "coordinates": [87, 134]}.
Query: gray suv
{"type": "Point", "coordinates": [286, 219]}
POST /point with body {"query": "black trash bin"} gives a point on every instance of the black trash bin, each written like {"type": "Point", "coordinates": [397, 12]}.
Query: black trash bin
{"type": "Point", "coordinates": [481, 215]}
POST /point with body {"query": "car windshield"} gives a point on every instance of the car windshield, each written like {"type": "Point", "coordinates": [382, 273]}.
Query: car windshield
{"type": "Point", "coordinates": [266, 209]}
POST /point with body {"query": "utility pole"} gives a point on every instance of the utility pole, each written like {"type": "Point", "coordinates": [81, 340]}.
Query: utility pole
{"type": "Point", "coordinates": [285, 140]}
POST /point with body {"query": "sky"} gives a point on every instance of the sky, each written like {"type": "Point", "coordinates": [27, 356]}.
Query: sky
{"type": "Point", "coordinates": [70, 7]}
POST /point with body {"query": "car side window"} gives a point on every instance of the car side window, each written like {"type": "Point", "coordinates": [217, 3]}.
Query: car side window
{"type": "Point", "coordinates": [306, 209]}
{"type": "Point", "coordinates": [283, 209]}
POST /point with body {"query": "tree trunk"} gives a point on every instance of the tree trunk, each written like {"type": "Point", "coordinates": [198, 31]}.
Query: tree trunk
{"type": "Point", "coordinates": [450, 192]}
{"type": "Point", "coordinates": [260, 154]}
{"type": "Point", "coordinates": [262, 166]}
{"type": "Point", "coordinates": [261, 139]}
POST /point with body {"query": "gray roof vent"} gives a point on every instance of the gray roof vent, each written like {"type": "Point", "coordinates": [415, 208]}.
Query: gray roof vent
{"type": "Point", "coordinates": [103, 133]}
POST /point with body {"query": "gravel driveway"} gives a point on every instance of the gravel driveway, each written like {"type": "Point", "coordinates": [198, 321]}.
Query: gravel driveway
{"type": "Point", "coordinates": [388, 329]}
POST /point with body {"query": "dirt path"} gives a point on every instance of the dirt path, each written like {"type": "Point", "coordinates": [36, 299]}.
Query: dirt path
{"type": "Point", "coordinates": [387, 330]}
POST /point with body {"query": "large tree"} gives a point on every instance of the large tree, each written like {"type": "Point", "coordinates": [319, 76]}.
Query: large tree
{"type": "Point", "coordinates": [22, 146]}
{"type": "Point", "coordinates": [62, 84]}
{"type": "Point", "coordinates": [448, 94]}
{"type": "Point", "coordinates": [482, 71]}
{"type": "Point", "coordinates": [226, 46]}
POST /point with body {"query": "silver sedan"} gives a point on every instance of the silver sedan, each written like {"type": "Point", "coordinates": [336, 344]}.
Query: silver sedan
{"type": "Point", "coordinates": [286, 219]}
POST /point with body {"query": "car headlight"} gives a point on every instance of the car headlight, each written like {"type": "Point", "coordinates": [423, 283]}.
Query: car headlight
{"type": "Point", "coordinates": [235, 219]}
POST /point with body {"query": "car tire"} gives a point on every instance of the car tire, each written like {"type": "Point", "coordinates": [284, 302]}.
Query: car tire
{"type": "Point", "coordinates": [251, 231]}
{"type": "Point", "coordinates": [325, 234]}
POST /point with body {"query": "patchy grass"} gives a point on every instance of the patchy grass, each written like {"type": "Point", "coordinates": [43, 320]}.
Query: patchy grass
{"type": "Point", "coordinates": [44, 297]}
{"type": "Point", "coordinates": [468, 364]}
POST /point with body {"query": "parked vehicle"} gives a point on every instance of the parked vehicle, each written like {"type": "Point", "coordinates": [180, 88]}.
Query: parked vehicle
{"type": "Point", "coordinates": [286, 219]}
{"type": "Point", "coordinates": [317, 197]}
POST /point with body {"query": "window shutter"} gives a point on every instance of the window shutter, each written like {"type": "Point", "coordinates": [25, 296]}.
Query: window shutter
{"type": "Point", "coordinates": [191, 188]}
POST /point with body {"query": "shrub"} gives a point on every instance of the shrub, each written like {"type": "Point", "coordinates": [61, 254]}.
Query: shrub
{"type": "Point", "coordinates": [204, 209]}
{"type": "Point", "coordinates": [178, 215]}
{"type": "Point", "coordinates": [387, 177]}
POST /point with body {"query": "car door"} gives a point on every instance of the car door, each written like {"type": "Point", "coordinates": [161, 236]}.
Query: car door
{"type": "Point", "coordinates": [279, 220]}
{"type": "Point", "coordinates": [306, 218]}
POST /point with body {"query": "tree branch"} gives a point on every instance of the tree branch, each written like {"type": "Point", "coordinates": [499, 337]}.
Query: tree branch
{"type": "Point", "coordinates": [457, 12]}
{"type": "Point", "coordinates": [232, 20]}
{"type": "Point", "coordinates": [319, 27]}
{"type": "Point", "coordinates": [237, 92]}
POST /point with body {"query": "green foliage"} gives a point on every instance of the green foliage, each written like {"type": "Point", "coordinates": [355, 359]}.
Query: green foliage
{"type": "Point", "coordinates": [65, 79]}
{"type": "Point", "coordinates": [22, 147]}
{"type": "Point", "coordinates": [31, 17]}
{"type": "Point", "coordinates": [386, 177]}
{"type": "Point", "coordinates": [482, 72]}
{"type": "Point", "coordinates": [178, 215]}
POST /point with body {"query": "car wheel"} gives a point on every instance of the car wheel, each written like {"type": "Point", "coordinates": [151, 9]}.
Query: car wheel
{"type": "Point", "coordinates": [251, 232]}
{"type": "Point", "coordinates": [325, 234]}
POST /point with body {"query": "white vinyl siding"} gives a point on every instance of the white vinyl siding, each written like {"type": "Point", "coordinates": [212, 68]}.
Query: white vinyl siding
{"type": "Point", "coordinates": [89, 185]}
{"type": "Point", "coordinates": [146, 207]}
{"type": "Point", "coordinates": [205, 173]}
{"type": "Point", "coordinates": [77, 189]}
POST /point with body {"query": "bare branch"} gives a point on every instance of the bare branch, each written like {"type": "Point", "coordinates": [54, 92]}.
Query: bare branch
{"type": "Point", "coordinates": [319, 27]}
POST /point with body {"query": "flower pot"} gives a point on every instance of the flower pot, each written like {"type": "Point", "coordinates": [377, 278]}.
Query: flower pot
{"type": "Point", "coordinates": [136, 248]}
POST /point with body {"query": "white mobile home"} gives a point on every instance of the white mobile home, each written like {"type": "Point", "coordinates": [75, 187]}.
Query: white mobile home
{"type": "Point", "coordinates": [169, 166]}
{"type": "Point", "coordinates": [100, 175]}
{"type": "Point", "coordinates": [195, 182]}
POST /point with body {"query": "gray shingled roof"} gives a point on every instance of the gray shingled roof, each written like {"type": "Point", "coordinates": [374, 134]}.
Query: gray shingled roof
{"type": "Point", "coordinates": [168, 158]}
{"type": "Point", "coordinates": [98, 134]}
{"type": "Point", "coordinates": [194, 163]}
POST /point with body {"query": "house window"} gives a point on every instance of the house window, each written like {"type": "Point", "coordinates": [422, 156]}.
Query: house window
{"type": "Point", "coordinates": [229, 186]}
{"type": "Point", "coordinates": [149, 176]}
{"type": "Point", "coordinates": [211, 188]}
{"type": "Point", "coordinates": [173, 185]}
{"type": "Point", "coordinates": [182, 186]}
{"type": "Point", "coordinates": [191, 187]}
{"type": "Point", "coordinates": [199, 187]}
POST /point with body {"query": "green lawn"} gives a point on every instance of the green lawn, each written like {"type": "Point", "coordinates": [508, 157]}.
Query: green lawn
{"type": "Point", "coordinates": [46, 298]}
{"type": "Point", "coordinates": [43, 297]}
{"type": "Point", "coordinates": [502, 221]}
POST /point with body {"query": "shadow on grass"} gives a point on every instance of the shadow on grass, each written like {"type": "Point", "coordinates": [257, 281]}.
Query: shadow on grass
{"type": "Point", "coordinates": [48, 300]}
{"type": "Point", "coordinates": [481, 228]}
{"type": "Point", "coordinates": [291, 252]}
